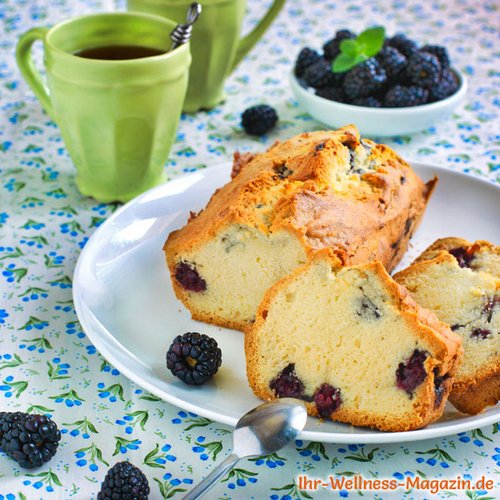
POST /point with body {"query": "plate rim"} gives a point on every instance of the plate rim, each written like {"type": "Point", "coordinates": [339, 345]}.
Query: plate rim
{"type": "Point", "coordinates": [367, 436]}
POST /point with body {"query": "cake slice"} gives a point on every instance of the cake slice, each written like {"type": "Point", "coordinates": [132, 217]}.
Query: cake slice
{"type": "Point", "coordinates": [352, 343]}
{"type": "Point", "coordinates": [460, 282]}
{"type": "Point", "coordinates": [326, 189]}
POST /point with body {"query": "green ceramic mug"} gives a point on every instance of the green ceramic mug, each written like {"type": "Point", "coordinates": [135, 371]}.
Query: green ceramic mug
{"type": "Point", "coordinates": [216, 46]}
{"type": "Point", "coordinates": [118, 118]}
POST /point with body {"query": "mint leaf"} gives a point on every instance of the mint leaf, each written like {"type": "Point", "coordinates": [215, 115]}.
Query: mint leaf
{"type": "Point", "coordinates": [360, 58]}
{"type": "Point", "coordinates": [344, 62]}
{"type": "Point", "coordinates": [371, 40]}
{"type": "Point", "coordinates": [350, 47]}
{"type": "Point", "coordinates": [352, 52]}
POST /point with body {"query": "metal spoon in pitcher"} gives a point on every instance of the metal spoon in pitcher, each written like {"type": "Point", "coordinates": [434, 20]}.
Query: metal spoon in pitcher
{"type": "Point", "coordinates": [182, 32]}
{"type": "Point", "coordinates": [261, 431]}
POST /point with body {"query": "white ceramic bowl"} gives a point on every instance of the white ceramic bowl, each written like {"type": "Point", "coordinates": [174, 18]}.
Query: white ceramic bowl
{"type": "Point", "coordinates": [378, 121]}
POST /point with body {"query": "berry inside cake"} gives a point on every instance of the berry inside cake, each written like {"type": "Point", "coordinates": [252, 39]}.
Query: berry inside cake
{"type": "Point", "coordinates": [325, 189]}
{"type": "Point", "coordinates": [352, 344]}
{"type": "Point", "coordinates": [460, 282]}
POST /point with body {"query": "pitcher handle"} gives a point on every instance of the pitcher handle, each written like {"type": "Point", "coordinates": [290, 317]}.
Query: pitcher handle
{"type": "Point", "coordinates": [248, 41]}
{"type": "Point", "coordinates": [28, 71]}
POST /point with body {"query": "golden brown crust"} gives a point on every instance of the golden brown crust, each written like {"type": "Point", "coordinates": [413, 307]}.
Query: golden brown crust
{"type": "Point", "coordinates": [471, 394]}
{"type": "Point", "coordinates": [214, 319]}
{"type": "Point", "coordinates": [373, 221]}
{"type": "Point", "coordinates": [444, 245]}
{"type": "Point", "coordinates": [474, 396]}
{"type": "Point", "coordinates": [422, 415]}
{"type": "Point", "coordinates": [310, 206]}
{"type": "Point", "coordinates": [446, 346]}
{"type": "Point", "coordinates": [239, 162]}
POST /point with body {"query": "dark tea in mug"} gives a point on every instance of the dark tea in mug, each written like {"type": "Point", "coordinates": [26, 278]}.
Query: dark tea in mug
{"type": "Point", "coordinates": [119, 52]}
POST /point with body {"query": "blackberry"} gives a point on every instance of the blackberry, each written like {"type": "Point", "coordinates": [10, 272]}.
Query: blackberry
{"type": "Point", "coordinates": [194, 358]}
{"type": "Point", "coordinates": [402, 78]}
{"type": "Point", "coordinates": [424, 70]}
{"type": "Point", "coordinates": [189, 278]}
{"type": "Point", "coordinates": [364, 79]}
{"type": "Point", "coordinates": [31, 440]}
{"type": "Point", "coordinates": [337, 79]}
{"type": "Point", "coordinates": [7, 419]}
{"type": "Point", "coordinates": [447, 86]}
{"type": "Point", "coordinates": [327, 399]}
{"type": "Point", "coordinates": [403, 44]}
{"type": "Point", "coordinates": [332, 93]}
{"type": "Point", "coordinates": [401, 97]}
{"type": "Point", "coordinates": [463, 256]}
{"type": "Point", "coordinates": [480, 333]}
{"type": "Point", "coordinates": [331, 49]}
{"type": "Point", "coordinates": [257, 120]}
{"type": "Point", "coordinates": [320, 74]}
{"type": "Point", "coordinates": [411, 374]}
{"type": "Point", "coordinates": [440, 386]}
{"type": "Point", "coordinates": [306, 58]}
{"type": "Point", "coordinates": [391, 60]}
{"type": "Point", "coordinates": [286, 384]}
{"type": "Point", "coordinates": [440, 52]}
{"type": "Point", "coordinates": [124, 481]}
{"type": "Point", "coordinates": [370, 102]}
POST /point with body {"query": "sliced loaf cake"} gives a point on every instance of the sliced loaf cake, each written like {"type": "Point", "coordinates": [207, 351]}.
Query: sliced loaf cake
{"type": "Point", "coordinates": [326, 189]}
{"type": "Point", "coordinates": [352, 343]}
{"type": "Point", "coordinates": [460, 282]}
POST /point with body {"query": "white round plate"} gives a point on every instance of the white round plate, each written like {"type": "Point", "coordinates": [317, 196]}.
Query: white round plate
{"type": "Point", "coordinates": [126, 305]}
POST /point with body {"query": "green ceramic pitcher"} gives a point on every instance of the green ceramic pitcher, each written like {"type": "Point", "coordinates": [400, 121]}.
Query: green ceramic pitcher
{"type": "Point", "coordinates": [216, 46]}
{"type": "Point", "coordinates": [118, 118]}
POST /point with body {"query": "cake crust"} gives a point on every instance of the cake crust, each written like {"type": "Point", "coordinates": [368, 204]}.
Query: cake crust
{"type": "Point", "coordinates": [441, 341]}
{"type": "Point", "coordinates": [473, 389]}
{"type": "Point", "coordinates": [322, 190]}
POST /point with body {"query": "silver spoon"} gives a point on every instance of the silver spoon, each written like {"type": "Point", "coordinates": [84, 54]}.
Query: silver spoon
{"type": "Point", "coordinates": [182, 32]}
{"type": "Point", "coordinates": [261, 431]}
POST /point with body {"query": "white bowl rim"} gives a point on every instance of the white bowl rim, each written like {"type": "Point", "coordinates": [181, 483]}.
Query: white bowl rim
{"type": "Point", "coordinates": [458, 94]}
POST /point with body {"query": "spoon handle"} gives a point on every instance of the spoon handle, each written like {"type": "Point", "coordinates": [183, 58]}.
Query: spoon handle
{"type": "Point", "coordinates": [212, 478]}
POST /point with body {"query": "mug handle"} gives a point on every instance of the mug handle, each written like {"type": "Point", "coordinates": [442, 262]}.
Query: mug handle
{"type": "Point", "coordinates": [248, 41]}
{"type": "Point", "coordinates": [28, 70]}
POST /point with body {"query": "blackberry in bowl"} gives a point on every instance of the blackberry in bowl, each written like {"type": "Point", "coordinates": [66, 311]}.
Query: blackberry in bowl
{"type": "Point", "coordinates": [385, 85]}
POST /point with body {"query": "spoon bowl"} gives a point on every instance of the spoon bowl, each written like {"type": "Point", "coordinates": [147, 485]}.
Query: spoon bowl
{"type": "Point", "coordinates": [268, 427]}
{"type": "Point", "coordinates": [263, 430]}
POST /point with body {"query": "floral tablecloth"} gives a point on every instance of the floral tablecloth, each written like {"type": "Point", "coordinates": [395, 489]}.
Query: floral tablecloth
{"type": "Point", "coordinates": [47, 365]}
